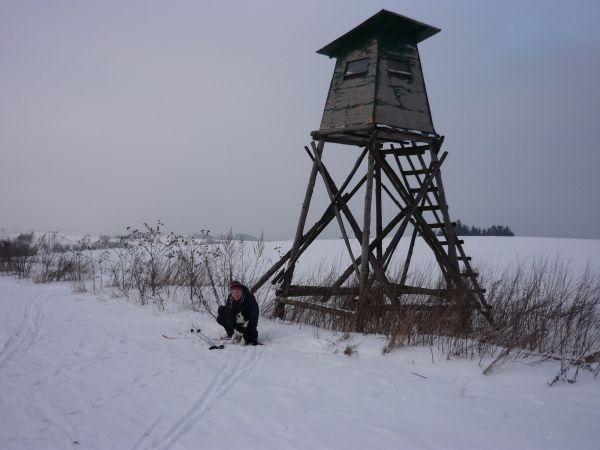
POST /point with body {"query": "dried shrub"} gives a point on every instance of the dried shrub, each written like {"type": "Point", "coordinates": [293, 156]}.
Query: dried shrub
{"type": "Point", "coordinates": [541, 310]}
{"type": "Point", "coordinates": [18, 254]}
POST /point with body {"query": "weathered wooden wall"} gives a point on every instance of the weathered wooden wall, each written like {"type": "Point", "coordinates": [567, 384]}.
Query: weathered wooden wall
{"type": "Point", "coordinates": [401, 101]}
{"type": "Point", "coordinates": [378, 96]}
{"type": "Point", "coordinates": [351, 100]}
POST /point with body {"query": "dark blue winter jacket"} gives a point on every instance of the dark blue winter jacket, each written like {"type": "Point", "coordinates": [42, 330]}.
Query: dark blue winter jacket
{"type": "Point", "coordinates": [247, 305]}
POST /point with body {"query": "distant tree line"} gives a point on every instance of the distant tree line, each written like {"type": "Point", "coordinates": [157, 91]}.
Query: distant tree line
{"type": "Point", "coordinates": [495, 230]}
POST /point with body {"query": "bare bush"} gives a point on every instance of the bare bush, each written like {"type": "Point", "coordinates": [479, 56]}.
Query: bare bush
{"type": "Point", "coordinates": [119, 267]}
{"type": "Point", "coordinates": [17, 255]}
{"type": "Point", "coordinates": [151, 267]}
{"type": "Point", "coordinates": [47, 258]}
{"type": "Point", "coordinates": [144, 265]}
{"type": "Point", "coordinates": [541, 311]}
{"type": "Point", "coordinates": [190, 255]}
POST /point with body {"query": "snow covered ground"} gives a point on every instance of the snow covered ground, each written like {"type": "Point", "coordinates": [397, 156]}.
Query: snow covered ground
{"type": "Point", "coordinates": [81, 372]}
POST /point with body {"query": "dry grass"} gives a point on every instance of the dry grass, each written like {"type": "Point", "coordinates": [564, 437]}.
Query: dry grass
{"type": "Point", "coordinates": [541, 311]}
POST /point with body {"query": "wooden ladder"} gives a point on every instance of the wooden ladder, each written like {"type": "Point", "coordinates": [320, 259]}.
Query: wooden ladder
{"type": "Point", "coordinates": [434, 204]}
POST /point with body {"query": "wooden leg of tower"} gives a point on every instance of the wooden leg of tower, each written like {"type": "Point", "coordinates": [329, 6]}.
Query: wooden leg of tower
{"type": "Point", "coordinates": [366, 231]}
{"type": "Point", "coordinates": [364, 261]}
{"type": "Point", "coordinates": [378, 212]}
{"type": "Point", "coordinates": [279, 310]}
{"type": "Point", "coordinates": [378, 227]}
{"type": "Point", "coordinates": [408, 257]}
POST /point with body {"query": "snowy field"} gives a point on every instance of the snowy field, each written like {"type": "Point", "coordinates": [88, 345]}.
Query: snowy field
{"type": "Point", "coordinates": [82, 371]}
{"type": "Point", "coordinates": [488, 252]}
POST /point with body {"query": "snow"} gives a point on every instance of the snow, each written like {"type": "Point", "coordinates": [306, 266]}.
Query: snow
{"type": "Point", "coordinates": [86, 372]}
{"type": "Point", "coordinates": [487, 252]}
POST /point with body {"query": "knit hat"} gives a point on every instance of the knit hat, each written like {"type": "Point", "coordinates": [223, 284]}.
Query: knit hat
{"type": "Point", "coordinates": [235, 285]}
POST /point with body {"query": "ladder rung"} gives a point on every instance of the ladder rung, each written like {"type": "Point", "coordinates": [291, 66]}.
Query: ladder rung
{"type": "Point", "coordinates": [460, 241]}
{"type": "Point", "coordinates": [416, 172]}
{"type": "Point", "coordinates": [406, 151]}
{"type": "Point", "coordinates": [430, 208]}
{"type": "Point", "coordinates": [417, 190]}
{"type": "Point", "coordinates": [464, 258]}
{"type": "Point", "coordinates": [440, 225]}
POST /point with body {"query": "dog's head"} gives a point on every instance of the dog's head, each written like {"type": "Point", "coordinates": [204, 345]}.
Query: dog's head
{"type": "Point", "coordinates": [240, 319]}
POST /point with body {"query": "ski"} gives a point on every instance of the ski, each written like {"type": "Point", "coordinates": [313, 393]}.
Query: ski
{"type": "Point", "coordinates": [211, 344]}
{"type": "Point", "coordinates": [174, 337]}
{"type": "Point", "coordinates": [226, 339]}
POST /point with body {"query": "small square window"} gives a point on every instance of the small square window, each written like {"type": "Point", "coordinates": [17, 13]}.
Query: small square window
{"type": "Point", "coordinates": [357, 67]}
{"type": "Point", "coordinates": [399, 67]}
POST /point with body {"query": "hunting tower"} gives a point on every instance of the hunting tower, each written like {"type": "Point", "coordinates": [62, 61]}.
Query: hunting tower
{"type": "Point", "coordinates": [377, 102]}
{"type": "Point", "coordinates": [378, 77]}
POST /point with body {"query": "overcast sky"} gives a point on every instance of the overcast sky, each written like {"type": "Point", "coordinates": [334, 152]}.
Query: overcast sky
{"type": "Point", "coordinates": [116, 113]}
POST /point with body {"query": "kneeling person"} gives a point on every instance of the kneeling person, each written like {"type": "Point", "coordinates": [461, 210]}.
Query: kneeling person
{"type": "Point", "coordinates": [240, 313]}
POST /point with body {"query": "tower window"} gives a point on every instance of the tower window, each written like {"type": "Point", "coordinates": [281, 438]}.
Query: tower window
{"type": "Point", "coordinates": [356, 67]}
{"type": "Point", "coordinates": [399, 67]}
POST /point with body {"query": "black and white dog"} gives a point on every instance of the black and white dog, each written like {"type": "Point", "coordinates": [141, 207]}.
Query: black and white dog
{"type": "Point", "coordinates": [240, 320]}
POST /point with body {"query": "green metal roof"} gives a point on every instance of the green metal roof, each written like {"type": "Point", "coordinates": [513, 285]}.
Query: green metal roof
{"type": "Point", "coordinates": [382, 22]}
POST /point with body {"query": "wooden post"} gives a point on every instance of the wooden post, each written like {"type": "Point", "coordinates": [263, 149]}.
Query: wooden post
{"type": "Point", "coordinates": [408, 257]}
{"type": "Point", "coordinates": [366, 234]}
{"type": "Point", "coordinates": [378, 212]}
{"type": "Point", "coordinates": [279, 310]}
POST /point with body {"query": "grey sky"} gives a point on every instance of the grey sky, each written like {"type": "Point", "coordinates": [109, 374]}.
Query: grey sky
{"type": "Point", "coordinates": [116, 113]}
